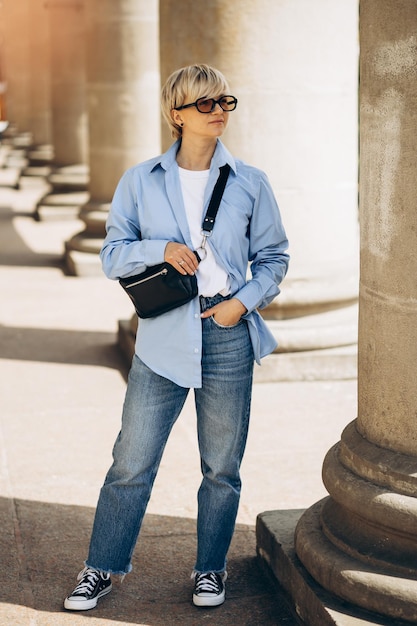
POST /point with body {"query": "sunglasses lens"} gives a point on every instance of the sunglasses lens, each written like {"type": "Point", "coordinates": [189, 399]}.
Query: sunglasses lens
{"type": "Point", "coordinates": [205, 105]}
{"type": "Point", "coordinates": [228, 103]}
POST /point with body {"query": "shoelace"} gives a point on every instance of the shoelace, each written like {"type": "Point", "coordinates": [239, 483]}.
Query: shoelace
{"type": "Point", "coordinates": [207, 582]}
{"type": "Point", "coordinates": [88, 579]}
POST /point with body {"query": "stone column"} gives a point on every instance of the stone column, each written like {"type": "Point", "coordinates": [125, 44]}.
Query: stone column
{"type": "Point", "coordinates": [68, 87]}
{"type": "Point", "coordinates": [3, 84]}
{"type": "Point", "coordinates": [40, 97]}
{"type": "Point", "coordinates": [16, 62]}
{"type": "Point", "coordinates": [293, 66]}
{"type": "Point", "coordinates": [124, 109]}
{"type": "Point", "coordinates": [361, 542]}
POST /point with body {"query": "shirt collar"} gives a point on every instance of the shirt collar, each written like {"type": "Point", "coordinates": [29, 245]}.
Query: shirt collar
{"type": "Point", "coordinates": [221, 156]}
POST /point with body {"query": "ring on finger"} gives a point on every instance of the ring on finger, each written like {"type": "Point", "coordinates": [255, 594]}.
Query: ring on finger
{"type": "Point", "coordinates": [181, 262]}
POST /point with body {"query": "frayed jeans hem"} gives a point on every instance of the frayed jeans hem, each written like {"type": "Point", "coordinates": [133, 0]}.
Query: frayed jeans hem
{"type": "Point", "coordinates": [109, 571]}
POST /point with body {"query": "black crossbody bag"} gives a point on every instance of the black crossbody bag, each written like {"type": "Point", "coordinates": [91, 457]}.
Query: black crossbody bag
{"type": "Point", "coordinates": [161, 288]}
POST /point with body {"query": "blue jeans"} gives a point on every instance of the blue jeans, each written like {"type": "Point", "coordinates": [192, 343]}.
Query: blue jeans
{"type": "Point", "coordinates": [151, 407]}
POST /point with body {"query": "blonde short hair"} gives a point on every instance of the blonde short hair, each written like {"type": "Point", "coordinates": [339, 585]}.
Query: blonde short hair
{"type": "Point", "coordinates": [187, 85]}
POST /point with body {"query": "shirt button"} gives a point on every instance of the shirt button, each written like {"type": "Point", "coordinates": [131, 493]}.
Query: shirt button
{"type": "Point", "coordinates": [195, 350]}
{"type": "Point", "coordinates": [196, 315]}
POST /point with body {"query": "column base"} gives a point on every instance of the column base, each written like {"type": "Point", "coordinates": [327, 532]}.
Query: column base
{"type": "Point", "coordinates": [82, 255]}
{"type": "Point", "coordinates": [315, 605]}
{"type": "Point", "coordinates": [316, 312]}
{"type": "Point", "coordinates": [41, 155]}
{"type": "Point", "coordinates": [382, 590]}
{"type": "Point", "coordinates": [10, 177]}
{"type": "Point", "coordinates": [327, 329]}
{"type": "Point", "coordinates": [82, 250]}
{"type": "Point", "coordinates": [360, 543]}
{"type": "Point", "coordinates": [331, 364]}
{"type": "Point", "coordinates": [67, 186]}
{"type": "Point", "coordinates": [69, 178]}
{"type": "Point", "coordinates": [60, 206]}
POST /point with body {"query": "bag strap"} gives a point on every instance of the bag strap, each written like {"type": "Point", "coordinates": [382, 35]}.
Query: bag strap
{"type": "Point", "coordinates": [215, 200]}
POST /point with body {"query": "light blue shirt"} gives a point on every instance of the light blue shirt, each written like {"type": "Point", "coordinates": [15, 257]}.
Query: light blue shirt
{"type": "Point", "coordinates": [148, 211]}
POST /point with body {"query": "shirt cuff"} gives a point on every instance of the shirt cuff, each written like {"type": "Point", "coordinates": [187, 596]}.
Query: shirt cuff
{"type": "Point", "coordinates": [153, 251]}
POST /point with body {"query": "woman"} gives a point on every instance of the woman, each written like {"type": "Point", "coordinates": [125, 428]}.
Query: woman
{"type": "Point", "coordinates": [209, 344]}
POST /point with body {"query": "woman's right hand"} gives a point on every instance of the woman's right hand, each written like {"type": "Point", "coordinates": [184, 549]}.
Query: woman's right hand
{"type": "Point", "coordinates": [181, 257]}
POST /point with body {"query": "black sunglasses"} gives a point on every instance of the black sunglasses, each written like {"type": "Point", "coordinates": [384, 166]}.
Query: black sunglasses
{"type": "Point", "coordinates": [207, 105]}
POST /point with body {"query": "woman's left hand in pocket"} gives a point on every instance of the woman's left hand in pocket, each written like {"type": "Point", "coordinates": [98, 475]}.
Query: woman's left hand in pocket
{"type": "Point", "coordinates": [226, 313]}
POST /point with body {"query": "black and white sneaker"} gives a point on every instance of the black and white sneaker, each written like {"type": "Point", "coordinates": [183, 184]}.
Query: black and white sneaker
{"type": "Point", "coordinates": [92, 586]}
{"type": "Point", "coordinates": [209, 589]}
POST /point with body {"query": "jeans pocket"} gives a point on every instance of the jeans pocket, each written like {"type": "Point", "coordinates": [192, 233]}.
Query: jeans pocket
{"type": "Point", "coordinates": [225, 327]}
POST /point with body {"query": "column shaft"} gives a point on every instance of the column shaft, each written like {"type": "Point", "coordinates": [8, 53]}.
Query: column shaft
{"type": "Point", "coordinates": [361, 542]}
{"type": "Point", "coordinates": [294, 67]}
{"type": "Point", "coordinates": [123, 89]}
{"type": "Point", "coordinates": [68, 87]}
{"type": "Point", "coordinates": [40, 94]}
{"type": "Point", "coordinates": [124, 110]}
{"type": "Point", "coordinates": [16, 63]}
{"type": "Point", "coordinates": [388, 291]}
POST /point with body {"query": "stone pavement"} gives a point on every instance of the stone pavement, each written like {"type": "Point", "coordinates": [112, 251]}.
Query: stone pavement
{"type": "Point", "coordinates": [62, 382]}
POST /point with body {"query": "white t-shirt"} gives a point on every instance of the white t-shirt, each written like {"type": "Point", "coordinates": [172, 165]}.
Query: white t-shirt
{"type": "Point", "coordinates": [212, 277]}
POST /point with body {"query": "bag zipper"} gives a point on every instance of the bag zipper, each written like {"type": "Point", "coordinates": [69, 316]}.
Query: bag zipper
{"type": "Point", "coordinates": [144, 280]}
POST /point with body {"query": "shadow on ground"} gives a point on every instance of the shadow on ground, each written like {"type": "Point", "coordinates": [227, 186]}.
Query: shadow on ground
{"type": "Point", "coordinates": [43, 547]}
{"type": "Point", "coordinates": [75, 347]}
{"type": "Point", "coordinates": [16, 252]}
